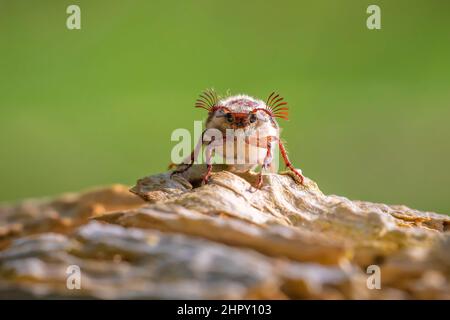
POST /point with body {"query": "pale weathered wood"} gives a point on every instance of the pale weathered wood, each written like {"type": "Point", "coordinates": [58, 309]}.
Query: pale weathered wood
{"type": "Point", "coordinates": [222, 240]}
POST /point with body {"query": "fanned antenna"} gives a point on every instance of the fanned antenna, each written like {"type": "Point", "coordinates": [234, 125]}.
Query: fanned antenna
{"type": "Point", "coordinates": [277, 106]}
{"type": "Point", "coordinates": [207, 100]}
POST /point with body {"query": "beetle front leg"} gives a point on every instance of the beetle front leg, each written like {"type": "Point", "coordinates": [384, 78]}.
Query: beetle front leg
{"type": "Point", "coordinates": [191, 159]}
{"type": "Point", "coordinates": [208, 157]}
{"type": "Point", "coordinates": [267, 162]}
{"type": "Point", "coordinates": [289, 164]}
{"type": "Point", "coordinates": [188, 165]}
{"type": "Point", "coordinates": [209, 150]}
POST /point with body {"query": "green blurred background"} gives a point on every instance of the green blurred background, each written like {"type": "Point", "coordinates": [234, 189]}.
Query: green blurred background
{"type": "Point", "coordinates": [369, 109]}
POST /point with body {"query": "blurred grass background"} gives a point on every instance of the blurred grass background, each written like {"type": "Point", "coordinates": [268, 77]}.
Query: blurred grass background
{"type": "Point", "coordinates": [369, 109]}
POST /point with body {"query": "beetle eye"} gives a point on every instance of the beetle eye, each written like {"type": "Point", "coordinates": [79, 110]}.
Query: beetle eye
{"type": "Point", "coordinates": [229, 117]}
{"type": "Point", "coordinates": [252, 118]}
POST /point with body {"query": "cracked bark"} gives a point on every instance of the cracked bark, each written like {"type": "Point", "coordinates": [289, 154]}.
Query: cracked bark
{"type": "Point", "coordinates": [222, 240]}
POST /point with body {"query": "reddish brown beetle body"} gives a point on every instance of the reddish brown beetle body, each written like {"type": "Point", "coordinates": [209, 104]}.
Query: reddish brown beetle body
{"type": "Point", "coordinates": [242, 116]}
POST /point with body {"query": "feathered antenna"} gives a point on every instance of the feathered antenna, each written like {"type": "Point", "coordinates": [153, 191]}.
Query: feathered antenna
{"type": "Point", "coordinates": [207, 100]}
{"type": "Point", "coordinates": [275, 105]}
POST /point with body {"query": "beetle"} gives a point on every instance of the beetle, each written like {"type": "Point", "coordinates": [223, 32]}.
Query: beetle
{"type": "Point", "coordinates": [254, 120]}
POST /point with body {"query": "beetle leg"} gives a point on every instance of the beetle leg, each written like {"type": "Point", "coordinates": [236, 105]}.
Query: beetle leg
{"type": "Point", "coordinates": [267, 162]}
{"type": "Point", "coordinates": [189, 161]}
{"type": "Point", "coordinates": [186, 168]}
{"type": "Point", "coordinates": [208, 156]}
{"type": "Point", "coordinates": [289, 164]}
